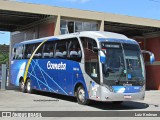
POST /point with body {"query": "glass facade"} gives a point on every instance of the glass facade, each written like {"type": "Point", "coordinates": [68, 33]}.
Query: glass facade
{"type": "Point", "coordinates": [71, 26]}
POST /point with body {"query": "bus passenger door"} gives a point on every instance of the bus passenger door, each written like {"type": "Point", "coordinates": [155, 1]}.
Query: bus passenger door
{"type": "Point", "coordinates": [91, 67]}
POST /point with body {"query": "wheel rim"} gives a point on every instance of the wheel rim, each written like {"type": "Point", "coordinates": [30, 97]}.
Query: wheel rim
{"type": "Point", "coordinates": [22, 85]}
{"type": "Point", "coordinates": [28, 86]}
{"type": "Point", "coordinates": [81, 95]}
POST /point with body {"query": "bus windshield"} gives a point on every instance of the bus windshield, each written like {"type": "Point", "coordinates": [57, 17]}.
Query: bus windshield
{"type": "Point", "coordinates": [124, 62]}
{"type": "Point", "coordinates": [134, 62]}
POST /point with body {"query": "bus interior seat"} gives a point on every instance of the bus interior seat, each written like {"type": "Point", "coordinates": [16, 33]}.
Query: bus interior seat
{"type": "Point", "coordinates": [20, 56]}
{"type": "Point", "coordinates": [38, 55]}
{"type": "Point", "coordinates": [79, 54]}
{"type": "Point", "coordinates": [73, 54]}
{"type": "Point", "coordinates": [29, 55]}
{"type": "Point", "coordinates": [35, 56]}
{"type": "Point", "coordinates": [59, 55]}
{"type": "Point", "coordinates": [46, 55]}
{"type": "Point", "coordinates": [51, 54]}
{"type": "Point", "coordinates": [64, 54]}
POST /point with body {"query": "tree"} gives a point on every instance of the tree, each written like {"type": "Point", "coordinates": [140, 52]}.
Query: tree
{"type": "Point", "coordinates": [4, 58]}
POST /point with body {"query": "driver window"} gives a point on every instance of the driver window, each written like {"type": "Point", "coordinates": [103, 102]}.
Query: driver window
{"type": "Point", "coordinates": [91, 58]}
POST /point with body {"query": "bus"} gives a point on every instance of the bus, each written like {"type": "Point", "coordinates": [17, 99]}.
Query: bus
{"type": "Point", "coordinates": [90, 65]}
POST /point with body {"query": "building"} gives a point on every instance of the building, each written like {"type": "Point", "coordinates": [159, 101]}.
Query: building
{"type": "Point", "coordinates": [30, 21]}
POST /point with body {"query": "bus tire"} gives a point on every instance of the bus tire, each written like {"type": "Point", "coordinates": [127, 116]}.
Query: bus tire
{"type": "Point", "coordinates": [81, 96]}
{"type": "Point", "coordinates": [22, 86]}
{"type": "Point", "coordinates": [28, 86]}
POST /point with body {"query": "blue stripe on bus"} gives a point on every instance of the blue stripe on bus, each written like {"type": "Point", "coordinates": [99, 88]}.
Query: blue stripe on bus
{"type": "Point", "coordinates": [41, 71]}
{"type": "Point", "coordinates": [51, 80]}
{"type": "Point", "coordinates": [126, 89]}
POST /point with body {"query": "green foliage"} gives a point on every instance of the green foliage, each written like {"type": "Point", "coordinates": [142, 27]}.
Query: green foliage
{"type": "Point", "coordinates": [4, 58]}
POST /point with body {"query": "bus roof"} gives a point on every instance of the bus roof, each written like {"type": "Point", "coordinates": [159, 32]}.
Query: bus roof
{"type": "Point", "coordinates": [102, 34]}
{"type": "Point", "coordinates": [97, 35]}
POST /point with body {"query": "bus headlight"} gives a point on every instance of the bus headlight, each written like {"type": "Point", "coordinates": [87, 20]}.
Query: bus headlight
{"type": "Point", "coordinates": [108, 87]}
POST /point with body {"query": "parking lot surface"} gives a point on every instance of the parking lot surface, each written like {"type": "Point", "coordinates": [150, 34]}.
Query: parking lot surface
{"type": "Point", "coordinates": [14, 100]}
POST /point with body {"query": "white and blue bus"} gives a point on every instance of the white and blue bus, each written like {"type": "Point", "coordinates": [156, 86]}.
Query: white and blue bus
{"type": "Point", "coordinates": [100, 66]}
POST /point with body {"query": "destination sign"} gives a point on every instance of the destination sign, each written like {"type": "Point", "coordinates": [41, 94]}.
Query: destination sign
{"type": "Point", "coordinates": [111, 46]}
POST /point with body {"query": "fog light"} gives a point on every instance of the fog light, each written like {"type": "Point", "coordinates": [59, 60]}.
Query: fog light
{"type": "Point", "coordinates": [107, 97]}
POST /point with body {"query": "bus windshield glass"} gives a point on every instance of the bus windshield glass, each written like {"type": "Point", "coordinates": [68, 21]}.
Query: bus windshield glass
{"type": "Point", "coordinates": [134, 62]}
{"type": "Point", "coordinates": [124, 62]}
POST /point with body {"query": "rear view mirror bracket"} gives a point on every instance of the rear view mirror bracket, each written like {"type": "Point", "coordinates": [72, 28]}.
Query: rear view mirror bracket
{"type": "Point", "coordinates": [152, 57]}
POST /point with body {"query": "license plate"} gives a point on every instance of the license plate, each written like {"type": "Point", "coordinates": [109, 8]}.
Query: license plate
{"type": "Point", "coordinates": [127, 97]}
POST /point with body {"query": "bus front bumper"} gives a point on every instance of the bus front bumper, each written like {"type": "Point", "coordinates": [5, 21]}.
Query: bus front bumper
{"type": "Point", "coordinates": [122, 96]}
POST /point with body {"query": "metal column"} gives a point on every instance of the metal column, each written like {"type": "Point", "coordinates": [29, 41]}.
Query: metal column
{"type": "Point", "coordinates": [4, 77]}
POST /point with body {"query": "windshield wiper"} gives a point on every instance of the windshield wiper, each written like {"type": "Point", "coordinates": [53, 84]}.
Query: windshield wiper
{"type": "Point", "coordinates": [120, 76]}
{"type": "Point", "coordinates": [138, 78]}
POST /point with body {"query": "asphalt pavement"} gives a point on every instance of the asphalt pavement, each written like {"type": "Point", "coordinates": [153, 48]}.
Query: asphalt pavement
{"type": "Point", "coordinates": [14, 100]}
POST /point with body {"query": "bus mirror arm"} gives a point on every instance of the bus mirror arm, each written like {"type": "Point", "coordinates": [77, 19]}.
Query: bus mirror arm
{"type": "Point", "coordinates": [152, 57]}
{"type": "Point", "coordinates": [95, 49]}
{"type": "Point", "coordinates": [102, 55]}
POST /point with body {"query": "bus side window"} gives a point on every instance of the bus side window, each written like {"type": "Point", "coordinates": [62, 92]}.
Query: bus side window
{"type": "Point", "coordinates": [38, 54]}
{"type": "Point", "coordinates": [34, 46]}
{"type": "Point", "coordinates": [75, 52]}
{"type": "Point", "coordinates": [14, 53]}
{"type": "Point", "coordinates": [18, 52]}
{"type": "Point", "coordinates": [29, 49]}
{"type": "Point", "coordinates": [48, 50]}
{"type": "Point", "coordinates": [61, 49]}
{"type": "Point", "coordinates": [23, 51]}
{"type": "Point", "coordinates": [91, 58]}
{"type": "Point", "coordinates": [27, 52]}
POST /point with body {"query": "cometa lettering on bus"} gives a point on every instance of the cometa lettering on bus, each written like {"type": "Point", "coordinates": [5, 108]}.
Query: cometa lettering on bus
{"type": "Point", "coordinates": [60, 66]}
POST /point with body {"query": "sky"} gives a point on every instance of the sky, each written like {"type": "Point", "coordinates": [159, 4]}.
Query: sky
{"type": "Point", "coordinates": [138, 8]}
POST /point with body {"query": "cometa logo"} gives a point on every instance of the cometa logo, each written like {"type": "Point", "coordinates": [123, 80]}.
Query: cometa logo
{"type": "Point", "coordinates": [60, 66]}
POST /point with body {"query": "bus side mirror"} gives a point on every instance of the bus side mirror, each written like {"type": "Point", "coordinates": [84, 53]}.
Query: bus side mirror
{"type": "Point", "coordinates": [102, 57]}
{"type": "Point", "coordinates": [101, 54]}
{"type": "Point", "coordinates": [152, 58]}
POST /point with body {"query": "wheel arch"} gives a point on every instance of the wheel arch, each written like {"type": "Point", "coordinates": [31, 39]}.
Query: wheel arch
{"type": "Point", "coordinates": [27, 79]}
{"type": "Point", "coordinates": [80, 84]}
{"type": "Point", "coordinates": [21, 78]}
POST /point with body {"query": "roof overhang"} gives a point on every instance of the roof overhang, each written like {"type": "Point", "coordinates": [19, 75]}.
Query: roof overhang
{"type": "Point", "coordinates": [11, 20]}
{"type": "Point", "coordinates": [130, 30]}
{"type": "Point", "coordinates": [16, 14]}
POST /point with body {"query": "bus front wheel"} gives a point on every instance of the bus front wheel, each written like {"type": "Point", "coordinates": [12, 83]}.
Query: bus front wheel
{"type": "Point", "coordinates": [28, 86]}
{"type": "Point", "coordinates": [81, 96]}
